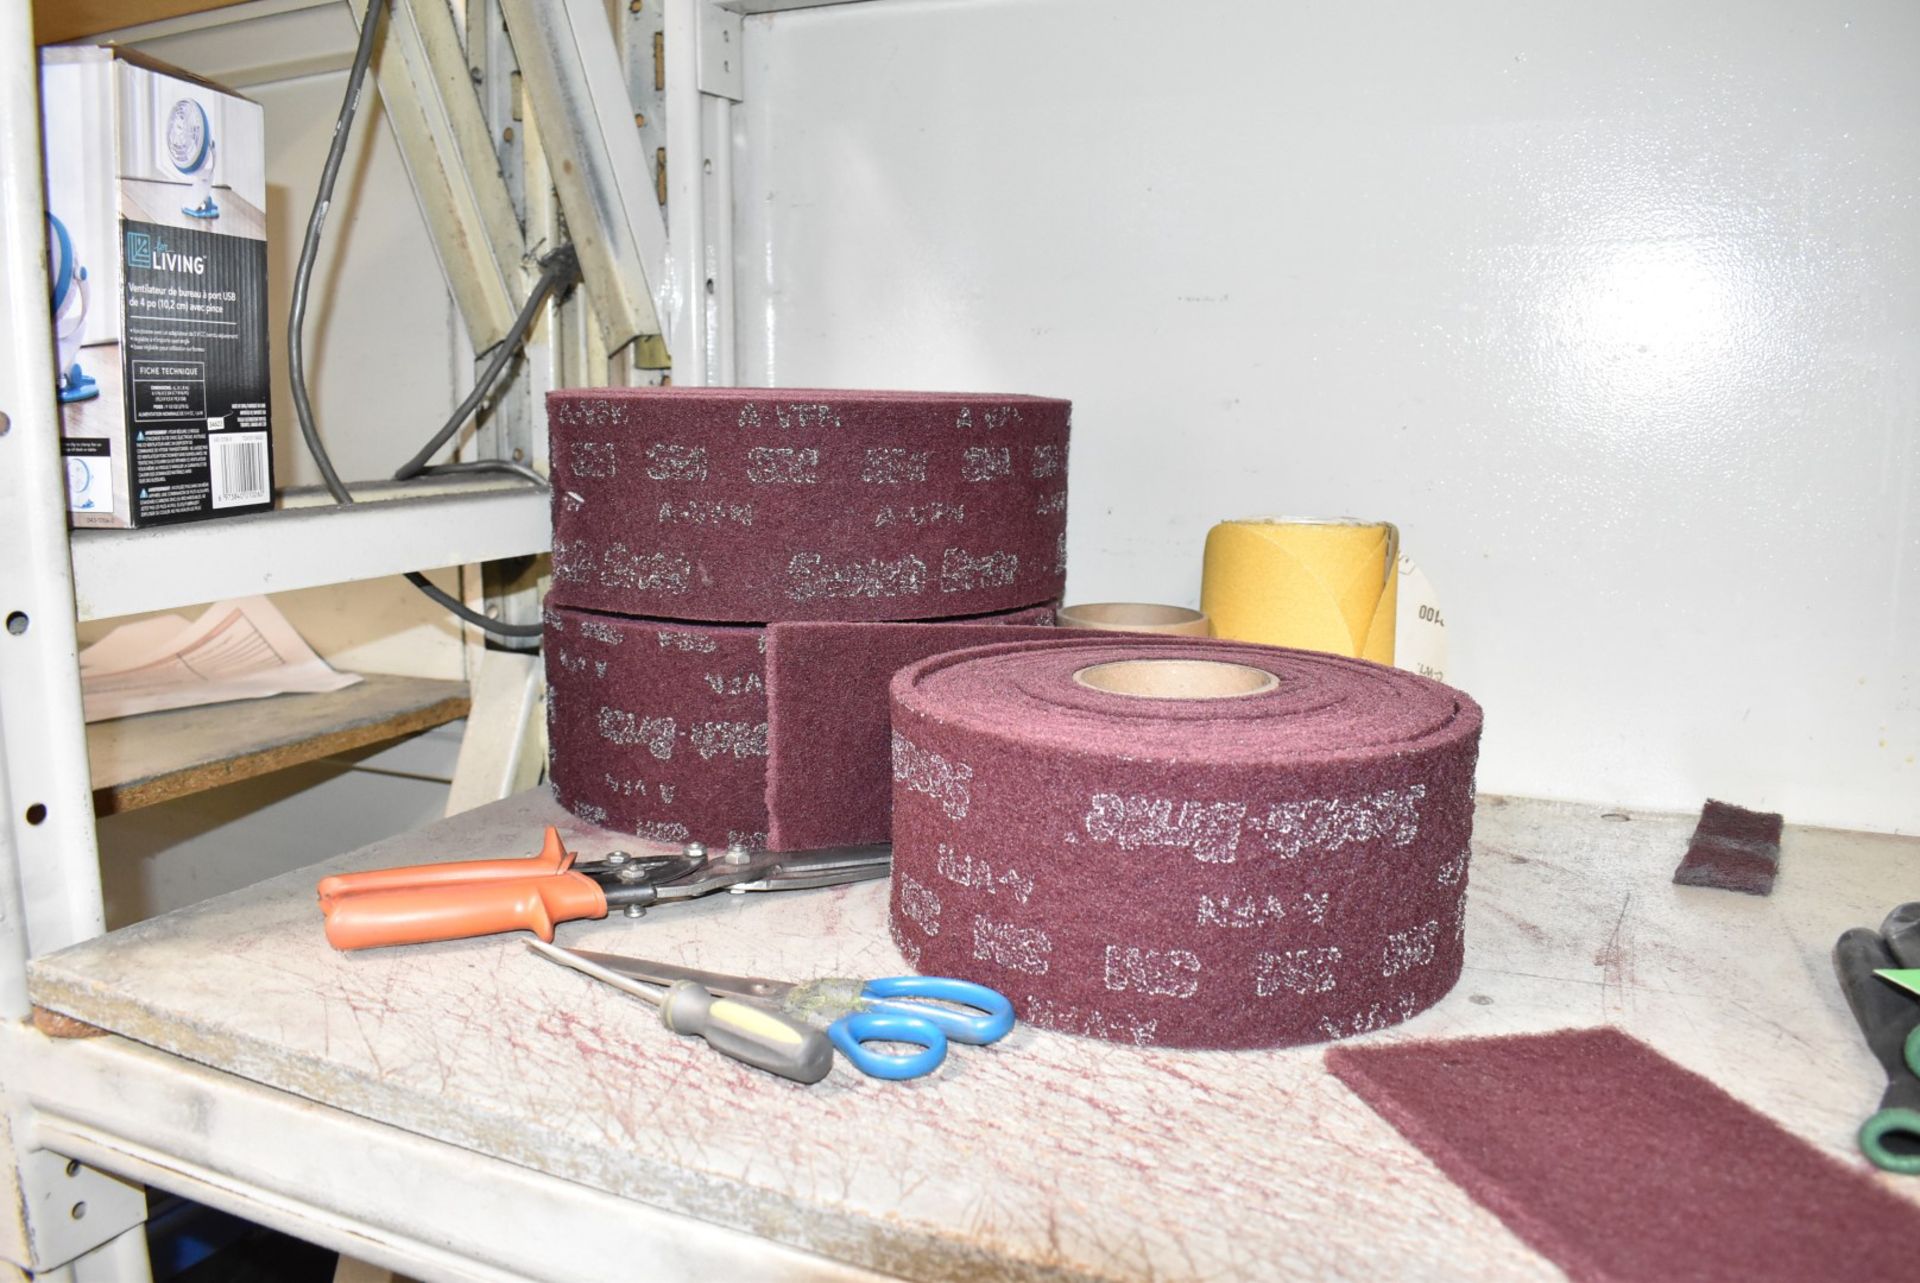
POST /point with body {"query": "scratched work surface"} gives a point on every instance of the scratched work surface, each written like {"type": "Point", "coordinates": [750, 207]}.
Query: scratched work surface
{"type": "Point", "coordinates": [1048, 1155]}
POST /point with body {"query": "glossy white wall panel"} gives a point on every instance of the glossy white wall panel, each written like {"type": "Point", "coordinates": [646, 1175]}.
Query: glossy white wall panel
{"type": "Point", "coordinates": [1616, 309]}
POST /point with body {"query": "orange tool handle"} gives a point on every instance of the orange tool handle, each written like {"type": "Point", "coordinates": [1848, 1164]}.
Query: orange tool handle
{"type": "Point", "coordinates": [415, 915]}
{"type": "Point", "coordinates": [553, 858]}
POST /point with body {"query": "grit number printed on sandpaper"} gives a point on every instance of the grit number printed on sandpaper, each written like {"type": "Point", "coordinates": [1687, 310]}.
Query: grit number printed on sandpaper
{"type": "Point", "coordinates": [924, 771]}
{"type": "Point", "coordinates": [1161, 973]}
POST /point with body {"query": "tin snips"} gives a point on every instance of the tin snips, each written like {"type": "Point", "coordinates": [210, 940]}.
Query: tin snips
{"type": "Point", "coordinates": [452, 901]}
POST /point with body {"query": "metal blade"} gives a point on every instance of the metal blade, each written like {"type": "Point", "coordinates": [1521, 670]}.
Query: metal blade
{"type": "Point", "coordinates": [1908, 979]}
{"type": "Point", "coordinates": [666, 973]}
{"type": "Point", "coordinates": [590, 965]}
{"type": "Point", "coordinates": [829, 866]}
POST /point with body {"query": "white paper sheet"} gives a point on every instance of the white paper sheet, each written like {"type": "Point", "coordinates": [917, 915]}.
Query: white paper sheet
{"type": "Point", "coordinates": [240, 649]}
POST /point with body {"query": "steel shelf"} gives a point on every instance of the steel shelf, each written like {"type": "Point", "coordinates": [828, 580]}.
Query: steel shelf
{"type": "Point", "coordinates": [123, 572]}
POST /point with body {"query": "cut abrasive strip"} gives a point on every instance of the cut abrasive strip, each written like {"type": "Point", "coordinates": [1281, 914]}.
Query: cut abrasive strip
{"type": "Point", "coordinates": [1135, 617]}
{"type": "Point", "coordinates": [660, 727]}
{"type": "Point", "coordinates": [1616, 1163]}
{"type": "Point", "coordinates": [743, 504]}
{"type": "Point", "coordinates": [656, 727]}
{"type": "Point", "coordinates": [1252, 870]}
{"type": "Point", "coordinates": [1733, 849]}
{"type": "Point", "coordinates": [829, 780]}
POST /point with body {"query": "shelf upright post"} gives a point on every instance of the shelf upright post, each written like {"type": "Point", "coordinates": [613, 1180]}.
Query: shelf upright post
{"type": "Point", "coordinates": [49, 865]}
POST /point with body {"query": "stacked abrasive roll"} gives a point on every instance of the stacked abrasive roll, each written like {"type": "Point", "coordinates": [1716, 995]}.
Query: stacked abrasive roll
{"type": "Point", "coordinates": [686, 520]}
{"type": "Point", "coordinates": [1183, 842]}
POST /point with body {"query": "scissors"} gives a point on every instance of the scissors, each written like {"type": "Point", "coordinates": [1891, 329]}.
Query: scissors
{"type": "Point", "coordinates": [895, 1009]}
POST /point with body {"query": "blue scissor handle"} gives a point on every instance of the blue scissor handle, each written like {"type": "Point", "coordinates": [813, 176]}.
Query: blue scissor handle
{"type": "Point", "coordinates": [852, 1033]}
{"type": "Point", "coordinates": [989, 1021]}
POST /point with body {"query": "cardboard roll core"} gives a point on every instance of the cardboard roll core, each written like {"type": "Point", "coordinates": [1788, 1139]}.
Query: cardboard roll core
{"type": "Point", "coordinates": [1135, 616]}
{"type": "Point", "coordinates": [1176, 679]}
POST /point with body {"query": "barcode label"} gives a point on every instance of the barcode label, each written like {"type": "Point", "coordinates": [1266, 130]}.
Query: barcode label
{"type": "Point", "coordinates": [239, 466]}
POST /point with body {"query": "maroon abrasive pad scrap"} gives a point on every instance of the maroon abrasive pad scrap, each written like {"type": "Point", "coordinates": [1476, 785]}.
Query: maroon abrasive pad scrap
{"type": "Point", "coordinates": [749, 505]}
{"type": "Point", "coordinates": [1618, 1164]}
{"type": "Point", "coordinates": [1282, 866]}
{"type": "Point", "coordinates": [661, 727]}
{"type": "Point", "coordinates": [657, 727]}
{"type": "Point", "coordinates": [1733, 849]}
{"type": "Point", "coordinates": [829, 781]}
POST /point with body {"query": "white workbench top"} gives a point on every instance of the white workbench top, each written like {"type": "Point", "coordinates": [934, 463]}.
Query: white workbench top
{"type": "Point", "coordinates": [1047, 1155]}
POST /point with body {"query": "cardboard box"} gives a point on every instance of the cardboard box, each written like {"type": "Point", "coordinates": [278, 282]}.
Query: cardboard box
{"type": "Point", "coordinates": [156, 243]}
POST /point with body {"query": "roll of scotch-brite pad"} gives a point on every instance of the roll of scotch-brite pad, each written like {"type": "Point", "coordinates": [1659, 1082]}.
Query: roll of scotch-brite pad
{"type": "Point", "coordinates": [1183, 842]}
{"type": "Point", "coordinates": [750, 505]}
{"type": "Point", "coordinates": [659, 727]}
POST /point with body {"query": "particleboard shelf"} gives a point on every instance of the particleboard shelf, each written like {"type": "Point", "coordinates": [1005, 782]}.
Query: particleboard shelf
{"type": "Point", "coordinates": [76, 19]}
{"type": "Point", "coordinates": [469, 1089]}
{"type": "Point", "coordinates": [156, 757]}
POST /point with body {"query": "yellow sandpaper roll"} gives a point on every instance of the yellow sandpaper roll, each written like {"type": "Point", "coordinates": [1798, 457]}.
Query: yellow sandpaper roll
{"type": "Point", "coordinates": [1327, 585]}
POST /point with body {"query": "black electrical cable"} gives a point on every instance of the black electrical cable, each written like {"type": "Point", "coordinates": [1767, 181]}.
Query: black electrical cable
{"type": "Point", "coordinates": [558, 270]}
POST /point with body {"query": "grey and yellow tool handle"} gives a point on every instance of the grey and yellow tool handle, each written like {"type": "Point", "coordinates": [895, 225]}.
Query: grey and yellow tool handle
{"type": "Point", "coordinates": [749, 1033]}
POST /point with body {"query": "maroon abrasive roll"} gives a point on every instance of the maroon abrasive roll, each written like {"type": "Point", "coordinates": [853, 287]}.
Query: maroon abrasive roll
{"type": "Point", "coordinates": [750, 505]}
{"type": "Point", "coordinates": [660, 727]}
{"type": "Point", "coordinates": [1282, 865]}
{"type": "Point", "coordinates": [1617, 1164]}
{"type": "Point", "coordinates": [829, 718]}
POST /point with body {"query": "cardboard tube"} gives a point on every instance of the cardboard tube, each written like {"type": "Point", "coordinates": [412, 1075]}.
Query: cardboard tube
{"type": "Point", "coordinates": [1319, 584]}
{"type": "Point", "coordinates": [1135, 617]}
